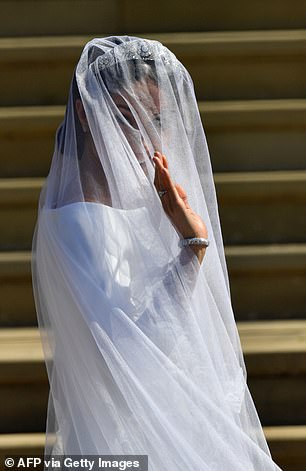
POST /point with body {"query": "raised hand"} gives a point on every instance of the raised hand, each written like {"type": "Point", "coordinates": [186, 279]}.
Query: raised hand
{"type": "Point", "coordinates": [175, 203]}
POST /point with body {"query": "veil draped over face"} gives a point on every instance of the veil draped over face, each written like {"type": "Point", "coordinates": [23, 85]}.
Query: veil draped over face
{"type": "Point", "coordinates": [141, 347]}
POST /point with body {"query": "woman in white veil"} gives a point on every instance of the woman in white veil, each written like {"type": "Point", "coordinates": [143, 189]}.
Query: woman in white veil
{"type": "Point", "coordinates": [141, 347]}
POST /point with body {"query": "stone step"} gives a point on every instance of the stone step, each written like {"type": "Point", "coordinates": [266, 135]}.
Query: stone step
{"type": "Point", "coordinates": [262, 207]}
{"type": "Point", "coordinates": [16, 295]}
{"type": "Point", "coordinates": [275, 354]}
{"type": "Point", "coordinates": [255, 135]}
{"type": "Point", "coordinates": [18, 208]}
{"type": "Point", "coordinates": [123, 17]}
{"type": "Point", "coordinates": [250, 204]}
{"type": "Point", "coordinates": [23, 379]}
{"type": "Point", "coordinates": [27, 136]}
{"type": "Point", "coordinates": [267, 282]}
{"type": "Point", "coordinates": [287, 446]}
{"type": "Point", "coordinates": [18, 444]}
{"type": "Point", "coordinates": [250, 135]}
{"type": "Point", "coordinates": [213, 15]}
{"type": "Point", "coordinates": [223, 65]}
{"type": "Point", "coordinates": [286, 443]}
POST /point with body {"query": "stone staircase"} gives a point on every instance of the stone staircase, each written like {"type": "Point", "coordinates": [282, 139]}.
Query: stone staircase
{"type": "Point", "coordinates": [248, 62]}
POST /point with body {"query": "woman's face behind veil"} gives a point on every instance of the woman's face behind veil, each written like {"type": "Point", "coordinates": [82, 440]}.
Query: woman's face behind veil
{"type": "Point", "coordinates": [139, 118]}
{"type": "Point", "coordinates": [133, 88]}
{"type": "Point", "coordinates": [92, 175]}
{"type": "Point", "coordinates": [132, 98]}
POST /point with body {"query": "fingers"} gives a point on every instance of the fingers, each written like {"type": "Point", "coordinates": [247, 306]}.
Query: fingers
{"type": "Point", "coordinates": [163, 181]}
{"type": "Point", "coordinates": [157, 176]}
{"type": "Point", "coordinates": [163, 158]}
{"type": "Point", "coordinates": [164, 161]}
{"type": "Point", "coordinates": [182, 193]}
{"type": "Point", "coordinates": [159, 166]}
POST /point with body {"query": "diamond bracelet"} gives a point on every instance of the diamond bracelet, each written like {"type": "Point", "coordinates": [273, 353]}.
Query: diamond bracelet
{"type": "Point", "coordinates": [194, 241]}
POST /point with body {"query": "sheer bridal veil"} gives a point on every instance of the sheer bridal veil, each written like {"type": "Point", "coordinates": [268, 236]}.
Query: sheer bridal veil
{"type": "Point", "coordinates": [140, 342]}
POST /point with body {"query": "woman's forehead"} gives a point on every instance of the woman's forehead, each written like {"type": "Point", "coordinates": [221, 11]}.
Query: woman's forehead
{"type": "Point", "coordinates": [145, 92]}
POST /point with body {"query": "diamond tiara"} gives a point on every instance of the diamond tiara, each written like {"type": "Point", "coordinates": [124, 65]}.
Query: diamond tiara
{"type": "Point", "coordinates": [139, 49]}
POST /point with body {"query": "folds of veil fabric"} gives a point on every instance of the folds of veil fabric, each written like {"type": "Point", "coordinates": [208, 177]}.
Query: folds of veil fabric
{"type": "Point", "coordinates": [140, 342]}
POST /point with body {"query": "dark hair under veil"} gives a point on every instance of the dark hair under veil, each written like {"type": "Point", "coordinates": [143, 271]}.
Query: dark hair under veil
{"type": "Point", "coordinates": [141, 346]}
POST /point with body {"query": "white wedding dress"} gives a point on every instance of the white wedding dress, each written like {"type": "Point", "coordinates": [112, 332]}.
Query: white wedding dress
{"type": "Point", "coordinates": [140, 342]}
{"type": "Point", "coordinates": [115, 370]}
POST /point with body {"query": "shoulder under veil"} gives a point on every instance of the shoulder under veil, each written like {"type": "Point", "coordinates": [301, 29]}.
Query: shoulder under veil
{"type": "Point", "coordinates": [140, 342]}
